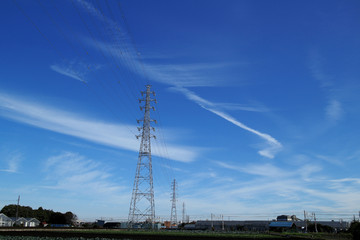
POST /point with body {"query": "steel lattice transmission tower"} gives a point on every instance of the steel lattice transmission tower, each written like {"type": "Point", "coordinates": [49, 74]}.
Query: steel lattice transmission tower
{"type": "Point", "coordinates": [173, 217]}
{"type": "Point", "coordinates": [142, 206]}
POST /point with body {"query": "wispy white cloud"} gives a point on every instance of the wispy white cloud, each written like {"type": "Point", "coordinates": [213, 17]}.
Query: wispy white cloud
{"type": "Point", "coordinates": [332, 160]}
{"type": "Point", "coordinates": [273, 145]}
{"type": "Point", "coordinates": [12, 161]}
{"type": "Point", "coordinates": [120, 53]}
{"type": "Point", "coordinates": [75, 69]}
{"type": "Point", "coordinates": [173, 168]}
{"type": "Point", "coordinates": [244, 196]}
{"type": "Point", "coordinates": [73, 172]}
{"type": "Point", "coordinates": [273, 172]}
{"type": "Point", "coordinates": [97, 131]}
{"type": "Point", "coordinates": [68, 72]}
{"type": "Point", "coordinates": [343, 197]}
{"type": "Point", "coordinates": [334, 110]}
{"type": "Point", "coordinates": [304, 186]}
{"type": "Point", "coordinates": [179, 76]}
{"type": "Point", "coordinates": [120, 47]}
{"type": "Point", "coordinates": [242, 107]}
{"type": "Point", "coordinates": [182, 75]}
{"type": "Point", "coordinates": [186, 75]}
{"type": "Point", "coordinates": [265, 170]}
{"type": "Point", "coordinates": [316, 67]}
{"type": "Point", "coordinates": [351, 180]}
{"type": "Point", "coordinates": [91, 9]}
{"type": "Point", "coordinates": [307, 170]}
{"type": "Point", "coordinates": [292, 190]}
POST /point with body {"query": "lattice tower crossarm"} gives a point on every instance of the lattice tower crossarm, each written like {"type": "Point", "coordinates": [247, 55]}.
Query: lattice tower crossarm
{"type": "Point", "coordinates": [142, 206]}
{"type": "Point", "coordinates": [173, 216]}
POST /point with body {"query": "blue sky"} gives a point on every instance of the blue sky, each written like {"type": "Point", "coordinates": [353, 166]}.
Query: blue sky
{"type": "Point", "coordinates": [257, 105]}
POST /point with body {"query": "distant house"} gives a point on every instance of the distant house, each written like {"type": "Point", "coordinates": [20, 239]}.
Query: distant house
{"type": "Point", "coordinates": [18, 221]}
{"type": "Point", "coordinates": [5, 221]}
{"type": "Point", "coordinates": [25, 222]}
{"type": "Point", "coordinates": [32, 222]}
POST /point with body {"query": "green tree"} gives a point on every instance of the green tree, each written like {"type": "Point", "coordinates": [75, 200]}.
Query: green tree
{"type": "Point", "coordinates": [57, 218]}
{"type": "Point", "coordinates": [355, 230]}
{"type": "Point", "coordinates": [43, 215]}
{"type": "Point", "coordinates": [9, 210]}
{"type": "Point", "coordinates": [24, 211]}
{"type": "Point", "coordinates": [70, 218]}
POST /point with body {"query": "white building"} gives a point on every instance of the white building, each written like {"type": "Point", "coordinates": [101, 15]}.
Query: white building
{"type": "Point", "coordinates": [31, 222]}
{"type": "Point", "coordinates": [5, 221]}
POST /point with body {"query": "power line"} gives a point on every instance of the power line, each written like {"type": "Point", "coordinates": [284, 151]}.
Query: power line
{"type": "Point", "coordinates": [112, 60]}
{"type": "Point", "coordinates": [132, 39]}
{"type": "Point", "coordinates": [162, 145]}
{"type": "Point", "coordinates": [122, 39]}
{"type": "Point", "coordinates": [38, 29]}
{"type": "Point", "coordinates": [101, 83]}
{"type": "Point", "coordinates": [62, 56]}
{"type": "Point", "coordinates": [162, 148]}
{"type": "Point", "coordinates": [96, 42]}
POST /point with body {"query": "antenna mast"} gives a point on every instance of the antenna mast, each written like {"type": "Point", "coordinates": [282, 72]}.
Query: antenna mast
{"type": "Point", "coordinates": [173, 217]}
{"type": "Point", "coordinates": [142, 206]}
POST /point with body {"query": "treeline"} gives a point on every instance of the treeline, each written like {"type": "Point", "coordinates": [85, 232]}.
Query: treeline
{"type": "Point", "coordinates": [43, 215]}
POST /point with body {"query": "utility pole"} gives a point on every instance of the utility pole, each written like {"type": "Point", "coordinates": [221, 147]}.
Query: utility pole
{"type": "Point", "coordinates": [173, 216]}
{"type": "Point", "coordinates": [17, 209]}
{"type": "Point", "coordinates": [316, 230]}
{"type": "Point", "coordinates": [223, 225]}
{"type": "Point", "coordinates": [142, 206]}
{"type": "Point", "coordinates": [305, 220]}
{"type": "Point", "coordinates": [183, 213]}
{"type": "Point", "coordinates": [212, 222]}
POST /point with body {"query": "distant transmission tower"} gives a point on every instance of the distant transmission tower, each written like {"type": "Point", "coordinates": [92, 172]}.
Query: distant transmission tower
{"type": "Point", "coordinates": [173, 217]}
{"type": "Point", "coordinates": [142, 206]}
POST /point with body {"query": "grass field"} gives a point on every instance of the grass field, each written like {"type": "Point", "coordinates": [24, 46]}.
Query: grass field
{"type": "Point", "coordinates": [97, 234]}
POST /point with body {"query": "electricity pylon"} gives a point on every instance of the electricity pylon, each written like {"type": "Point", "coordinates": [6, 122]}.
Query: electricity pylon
{"type": "Point", "coordinates": [142, 206]}
{"type": "Point", "coordinates": [173, 217]}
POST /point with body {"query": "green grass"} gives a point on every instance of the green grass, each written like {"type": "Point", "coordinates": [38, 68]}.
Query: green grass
{"type": "Point", "coordinates": [180, 234]}
{"type": "Point", "coordinates": [107, 234]}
